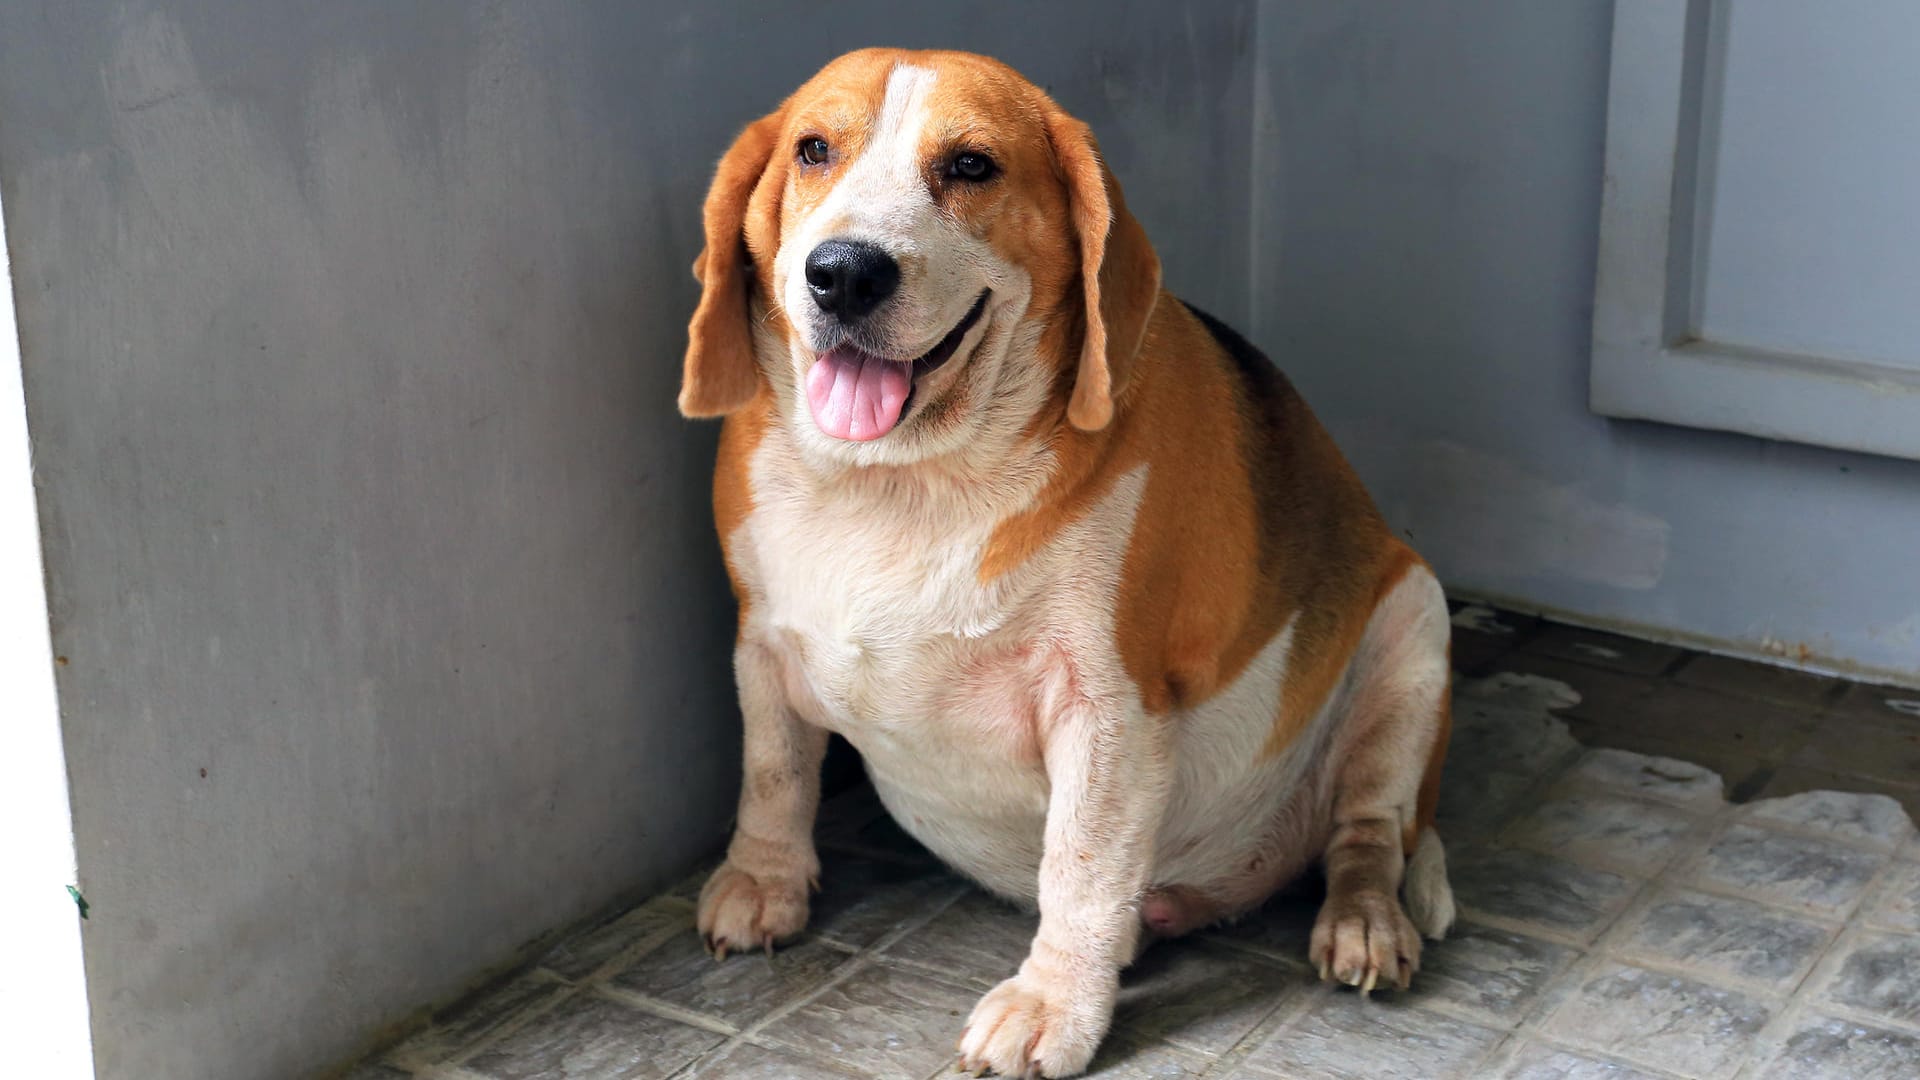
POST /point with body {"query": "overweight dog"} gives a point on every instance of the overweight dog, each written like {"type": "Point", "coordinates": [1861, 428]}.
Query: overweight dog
{"type": "Point", "coordinates": [1113, 624]}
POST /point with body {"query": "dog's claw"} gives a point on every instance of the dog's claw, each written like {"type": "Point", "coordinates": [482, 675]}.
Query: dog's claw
{"type": "Point", "coordinates": [1323, 970]}
{"type": "Point", "coordinates": [1373, 976]}
{"type": "Point", "coordinates": [768, 942]}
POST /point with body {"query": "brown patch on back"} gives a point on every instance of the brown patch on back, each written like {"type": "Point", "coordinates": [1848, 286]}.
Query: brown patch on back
{"type": "Point", "coordinates": [1250, 517]}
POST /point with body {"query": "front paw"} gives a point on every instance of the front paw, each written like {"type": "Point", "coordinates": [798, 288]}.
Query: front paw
{"type": "Point", "coordinates": [1035, 1025]}
{"type": "Point", "coordinates": [1363, 939]}
{"type": "Point", "coordinates": [741, 912]}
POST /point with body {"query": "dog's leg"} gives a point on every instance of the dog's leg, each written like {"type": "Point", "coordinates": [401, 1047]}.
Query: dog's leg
{"type": "Point", "coordinates": [758, 896]}
{"type": "Point", "coordinates": [1386, 748]}
{"type": "Point", "coordinates": [1108, 775]}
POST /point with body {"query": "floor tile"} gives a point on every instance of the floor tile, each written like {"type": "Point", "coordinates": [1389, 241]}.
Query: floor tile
{"type": "Point", "coordinates": [1817, 877]}
{"type": "Point", "coordinates": [1632, 836]}
{"type": "Point", "coordinates": [1746, 678]}
{"type": "Point", "coordinates": [1733, 763]}
{"type": "Point", "coordinates": [1695, 716]}
{"type": "Point", "coordinates": [745, 1061]}
{"type": "Point", "coordinates": [1891, 754]}
{"type": "Point", "coordinates": [1118, 1060]}
{"type": "Point", "coordinates": [1880, 976]}
{"type": "Point", "coordinates": [735, 990]}
{"type": "Point", "coordinates": [862, 899]}
{"type": "Point", "coordinates": [1602, 694]}
{"type": "Point", "coordinates": [1794, 779]}
{"type": "Point", "coordinates": [1824, 1048]}
{"type": "Point", "coordinates": [1200, 997]}
{"type": "Point", "coordinates": [1482, 636]}
{"type": "Point", "coordinates": [1667, 779]}
{"type": "Point", "coordinates": [1538, 1061]}
{"type": "Point", "coordinates": [1630, 656]}
{"type": "Point", "coordinates": [1889, 706]}
{"type": "Point", "coordinates": [977, 941]}
{"type": "Point", "coordinates": [1495, 973]}
{"type": "Point", "coordinates": [588, 1037]}
{"type": "Point", "coordinates": [880, 1022]}
{"type": "Point", "coordinates": [1280, 928]}
{"type": "Point", "coordinates": [1538, 890]}
{"type": "Point", "coordinates": [1661, 1021]}
{"type": "Point", "coordinates": [1727, 938]}
{"type": "Point", "coordinates": [377, 1072]}
{"type": "Point", "coordinates": [473, 1021]}
{"type": "Point", "coordinates": [1350, 1038]}
{"type": "Point", "coordinates": [1897, 906]}
{"type": "Point", "coordinates": [1874, 821]}
{"type": "Point", "coordinates": [581, 956]}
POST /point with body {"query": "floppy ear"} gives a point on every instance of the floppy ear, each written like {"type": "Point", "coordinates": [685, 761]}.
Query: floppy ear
{"type": "Point", "coordinates": [720, 374]}
{"type": "Point", "coordinates": [1118, 270]}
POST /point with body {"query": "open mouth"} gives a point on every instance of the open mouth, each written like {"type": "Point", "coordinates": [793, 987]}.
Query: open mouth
{"type": "Point", "coordinates": [859, 396]}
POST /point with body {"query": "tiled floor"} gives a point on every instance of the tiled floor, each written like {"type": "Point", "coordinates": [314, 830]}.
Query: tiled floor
{"type": "Point", "coordinates": [1620, 918]}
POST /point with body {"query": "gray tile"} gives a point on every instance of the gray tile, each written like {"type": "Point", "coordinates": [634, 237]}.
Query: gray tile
{"type": "Point", "coordinates": [1828, 1049]}
{"type": "Point", "coordinates": [1887, 706]}
{"type": "Point", "coordinates": [1874, 821]}
{"type": "Point", "coordinates": [1200, 997]}
{"type": "Point", "coordinates": [1280, 928]}
{"type": "Point", "coordinates": [1497, 974]}
{"type": "Point", "coordinates": [1630, 656]}
{"type": "Point", "coordinates": [881, 1022]}
{"type": "Point", "coordinates": [736, 990]}
{"type": "Point", "coordinates": [1477, 801]}
{"type": "Point", "coordinates": [977, 940]}
{"type": "Point", "coordinates": [1735, 762]}
{"type": "Point", "coordinates": [1120, 1060]}
{"type": "Point", "coordinates": [591, 1038]}
{"type": "Point", "coordinates": [1745, 678]}
{"type": "Point", "coordinates": [1736, 939]}
{"type": "Point", "coordinates": [1898, 905]}
{"type": "Point", "coordinates": [1881, 977]}
{"type": "Point", "coordinates": [1539, 890]}
{"type": "Point", "coordinates": [1350, 1038]}
{"type": "Point", "coordinates": [745, 1061]}
{"type": "Point", "coordinates": [1668, 779]}
{"type": "Point", "coordinates": [1807, 874]}
{"type": "Point", "coordinates": [1884, 753]}
{"type": "Point", "coordinates": [372, 1071]}
{"type": "Point", "coordinates": [861, 899]}
{"type": "Point", "coordinates": [466, 1024]}
{"type": "Point", "coordinates": [1634, 836]}
{"type": "Point", "coordinates": [1538, 1061]}
{"type": "Point", "coordinates": [1794, 779]}
{"type": "Point", "coordinates": [1661, 1021]}
{"type": "Point", "coordinates": [582, 955]}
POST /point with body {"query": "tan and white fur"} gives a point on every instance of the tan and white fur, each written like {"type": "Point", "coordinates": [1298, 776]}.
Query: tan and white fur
{"type": "Point", "coordinates": [1113, 626]}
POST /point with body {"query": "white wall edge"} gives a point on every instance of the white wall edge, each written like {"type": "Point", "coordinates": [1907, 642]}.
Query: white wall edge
{"type": "Point", "coordinates": [45, 1002]}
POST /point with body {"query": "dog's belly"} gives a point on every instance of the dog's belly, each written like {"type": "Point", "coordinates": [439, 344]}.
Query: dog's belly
{"type": "Point", "coordinates": [949, 730]}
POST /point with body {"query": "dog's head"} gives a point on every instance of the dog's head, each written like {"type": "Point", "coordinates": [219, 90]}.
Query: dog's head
{"type": "Point", "coordinates": [913, 249]}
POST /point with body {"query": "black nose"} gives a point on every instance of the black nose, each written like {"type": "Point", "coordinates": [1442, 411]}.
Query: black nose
{"type": "Point", "coordinates": [850, 278]}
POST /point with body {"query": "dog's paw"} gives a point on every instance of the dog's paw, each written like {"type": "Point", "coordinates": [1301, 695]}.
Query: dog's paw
{"type": "Point", "coordinates": [1031, 1026]}
{"type": "Point", "coordinates": [740, 913]}
{"type": "Point", "coordinates": [1365, 939]}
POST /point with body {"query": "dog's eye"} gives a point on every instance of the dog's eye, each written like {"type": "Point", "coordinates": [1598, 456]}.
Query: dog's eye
{"type": "Point", "coordinates": [971, 166]}
{"type": "Point", "coordinates": [813, 150]}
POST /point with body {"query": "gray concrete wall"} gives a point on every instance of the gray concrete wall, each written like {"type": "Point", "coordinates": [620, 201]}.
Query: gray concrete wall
{"type": "Point", "coordinates": [392, 625]}
{"type": "Point", "coordinates": [1426, 209]}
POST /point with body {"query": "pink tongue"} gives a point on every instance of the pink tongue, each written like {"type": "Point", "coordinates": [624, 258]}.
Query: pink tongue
{"type": "Point", "coordinates": [856, 396]}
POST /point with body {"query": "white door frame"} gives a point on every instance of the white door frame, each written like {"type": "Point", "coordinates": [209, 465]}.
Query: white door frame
{"type": "Point", "coordinates": [1647, 361]}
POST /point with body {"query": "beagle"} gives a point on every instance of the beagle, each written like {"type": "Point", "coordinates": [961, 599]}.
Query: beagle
{"type": "Point", "coordinates": [1114, 626]}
